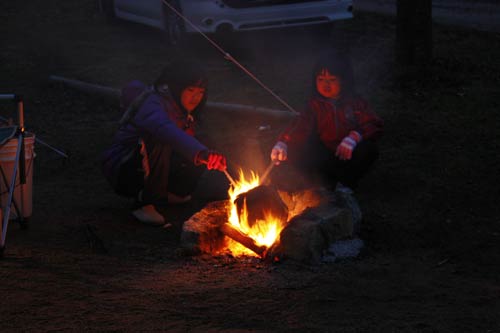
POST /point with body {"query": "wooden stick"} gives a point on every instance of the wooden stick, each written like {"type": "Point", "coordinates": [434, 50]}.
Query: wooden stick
{"type": "Point", "coordinates": [229, 231]}
{"type": "Point", "coordinates": [267, 172]}
{"type": "Point", "coordinates": [228, 176]}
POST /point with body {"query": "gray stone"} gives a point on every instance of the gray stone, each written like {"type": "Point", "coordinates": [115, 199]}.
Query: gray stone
{"type": "Point", "coordinates": [348, 201]}
{"type": "Point", "coordinates": [307, 235]}
{"type": "Point", "coordinates": [323, 218]}
{"type": "Point", "coordinates": [201, 233]}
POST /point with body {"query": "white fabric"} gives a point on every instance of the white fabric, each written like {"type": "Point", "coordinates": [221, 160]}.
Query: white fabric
{"type": "Point", "coordinates": [355, 135]}
{"type": "Point", "coordinates": [348, 142]}
{"type": "Point", "coordinates": [345, 148]}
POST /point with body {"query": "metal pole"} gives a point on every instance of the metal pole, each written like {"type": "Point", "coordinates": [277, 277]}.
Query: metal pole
{"type": "Point", "coordinates": [60, 152]}
{"type": "Point", "coordinates": [6, 213]}
{"type": "Point", "coordinates": [43, 143]}
{"type": "Point", "coordinates": [5, 219]}
{"type": "Point", "coordinates": [22, 164]}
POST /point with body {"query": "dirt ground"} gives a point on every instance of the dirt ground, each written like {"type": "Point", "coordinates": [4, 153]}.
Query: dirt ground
{"type": "Point", "coordinates": [431, 215]}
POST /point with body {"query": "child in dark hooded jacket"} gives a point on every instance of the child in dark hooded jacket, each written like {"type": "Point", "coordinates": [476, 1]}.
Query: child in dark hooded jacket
{"type": "Point", "coordinates": [154, 156]}
{"type": "Point", "coordinates": [333, 139]}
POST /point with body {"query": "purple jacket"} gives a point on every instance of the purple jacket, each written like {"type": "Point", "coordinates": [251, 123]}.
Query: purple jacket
{"type": "Point", "coordinates": [159, 119]}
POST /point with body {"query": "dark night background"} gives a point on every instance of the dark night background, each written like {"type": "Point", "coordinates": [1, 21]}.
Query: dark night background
{"type": "Point", "coordinates": [431, 215]}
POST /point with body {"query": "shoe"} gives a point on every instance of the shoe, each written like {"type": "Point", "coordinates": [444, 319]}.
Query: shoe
{"type": "Point", "coordinates": [174, 199]}
{"type": "Point", "coordinates": [149, 215]}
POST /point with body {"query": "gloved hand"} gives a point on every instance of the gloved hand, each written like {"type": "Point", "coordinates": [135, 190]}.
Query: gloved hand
{"type": "Point", "coordinates": [345, 148]}
{"type": "Point", "coordinates": [279, 152]}
{"type": "Point", "coordinates": [212, 159]}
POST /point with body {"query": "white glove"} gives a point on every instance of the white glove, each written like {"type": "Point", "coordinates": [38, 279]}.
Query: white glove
{"type": "Point", "coordinates": [344, 150]}
{"type": "Point", "coordinates": [279, 152]}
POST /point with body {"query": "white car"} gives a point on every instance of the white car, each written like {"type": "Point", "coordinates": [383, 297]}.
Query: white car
{"type": "Point", "coordinates": [212, 16]}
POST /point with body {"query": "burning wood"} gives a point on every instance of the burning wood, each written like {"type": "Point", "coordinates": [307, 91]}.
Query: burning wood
{"type": "Point", "coordinates": [243, 239]}
{"type": "Point", "coordinates": [261, 202]}
{"type": "Point", "coordinates": [260, 221]}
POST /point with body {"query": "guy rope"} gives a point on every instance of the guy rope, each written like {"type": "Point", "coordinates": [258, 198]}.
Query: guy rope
{"type": "Point", "coordinates": [231, 58]}
{"type": "Point", "coordinates": [244, 69]}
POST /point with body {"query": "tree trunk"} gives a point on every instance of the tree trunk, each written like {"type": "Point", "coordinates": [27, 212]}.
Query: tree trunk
{"type": "Point", "coordinates": [414, 32]}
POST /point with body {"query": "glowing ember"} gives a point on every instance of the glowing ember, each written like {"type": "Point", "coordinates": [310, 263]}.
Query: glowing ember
{"type": "Point", "coordinates": [265, 232]}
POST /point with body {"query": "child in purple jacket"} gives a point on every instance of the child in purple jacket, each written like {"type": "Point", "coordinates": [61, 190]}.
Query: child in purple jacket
{"type": "Point", "coordinates": [154, 156]}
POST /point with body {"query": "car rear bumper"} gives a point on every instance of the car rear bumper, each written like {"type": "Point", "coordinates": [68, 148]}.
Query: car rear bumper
{"type": "Point", "coordinates": [211, 16]}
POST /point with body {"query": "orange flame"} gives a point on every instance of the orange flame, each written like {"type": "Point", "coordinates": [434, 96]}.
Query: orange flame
{"type": "Point", "coordinates": [265, 232]}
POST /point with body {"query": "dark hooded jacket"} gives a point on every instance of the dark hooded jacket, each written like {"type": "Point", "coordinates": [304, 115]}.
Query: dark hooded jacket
{"type": "Point", "coordinates": [157, 117]}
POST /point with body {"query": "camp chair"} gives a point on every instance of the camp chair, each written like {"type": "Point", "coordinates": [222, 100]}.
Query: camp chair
{"type": "Point", "coordinates": [7, 133]}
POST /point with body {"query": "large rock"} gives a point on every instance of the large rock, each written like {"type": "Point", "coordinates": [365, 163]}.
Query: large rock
{"type": "Point", "coordinates": [310, 233]}
{"type": "Point", "coordinates": [201, 233]}
{"type": "Point", "coordinates": [323, 218]}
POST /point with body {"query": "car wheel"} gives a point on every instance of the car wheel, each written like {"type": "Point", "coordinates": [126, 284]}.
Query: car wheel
{"type": "Point", "coordinates": [108, 8]}
{"type": "Point", "coordinates": [174, 25]}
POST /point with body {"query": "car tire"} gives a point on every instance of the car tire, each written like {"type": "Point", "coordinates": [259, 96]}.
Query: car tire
{"type": "Point", "coordinates": [108, 8]}
{"type": "Point", "coordinates": [175, 31]}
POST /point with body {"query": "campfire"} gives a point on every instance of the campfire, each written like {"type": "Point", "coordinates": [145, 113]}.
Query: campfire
{"type": "Point", "coordinates": [263, 229]}
{"type": "Point", "coordinates": [260, 221]}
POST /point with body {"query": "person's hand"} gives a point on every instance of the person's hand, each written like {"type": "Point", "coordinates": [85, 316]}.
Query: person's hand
{"type": "Point", "coordinates": [216, 161]}
{"type": "Point", "coordinates": [345, 148]}
{"type": "Point", "coordinates": [212, 159]}
{"type": "Point", "coordinates": [279, 153]}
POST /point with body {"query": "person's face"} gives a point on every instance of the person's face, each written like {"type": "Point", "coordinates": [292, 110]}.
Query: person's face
{"type": "Point", "coordinates": [191, 97]}
{"type": "Point", "coordinates": [328, 85]}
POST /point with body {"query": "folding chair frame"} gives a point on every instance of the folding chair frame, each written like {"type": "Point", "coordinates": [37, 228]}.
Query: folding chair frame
{"type": "Point", "coordinates": [19, 167]}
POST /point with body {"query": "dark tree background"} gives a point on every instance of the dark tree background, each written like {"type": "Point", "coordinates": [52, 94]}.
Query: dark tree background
{"type": "Point", "coordinates": [414, 32]}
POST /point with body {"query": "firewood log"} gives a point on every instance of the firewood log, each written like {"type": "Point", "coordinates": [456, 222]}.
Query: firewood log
{"type": "Point", "coordinates": [243, 239]}
{"type": "Point", "coordinates": [260, 201]}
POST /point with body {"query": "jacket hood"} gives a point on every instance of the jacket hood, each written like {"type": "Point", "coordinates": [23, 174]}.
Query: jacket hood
{"type": "Point", "coordinates": [179, 75]}
{"type": "Point", "coordinates": [130, 92]}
